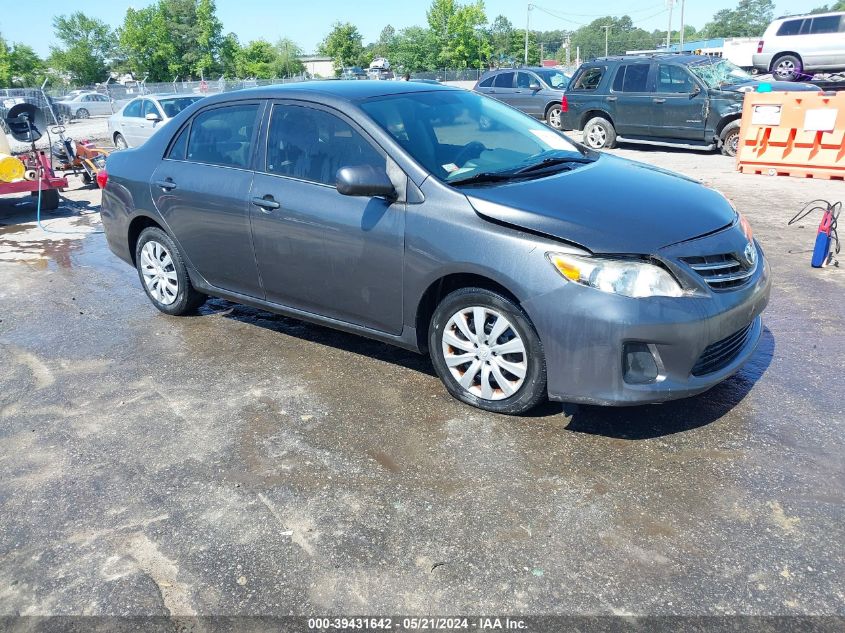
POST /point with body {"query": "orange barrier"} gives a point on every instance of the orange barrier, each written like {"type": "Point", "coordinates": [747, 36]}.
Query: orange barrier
{"type": "Point", "coordinates": [793, 134]}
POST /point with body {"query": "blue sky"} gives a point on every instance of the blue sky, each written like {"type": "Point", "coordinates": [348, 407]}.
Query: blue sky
{"type": "Point", "coordinates": [307, 22]}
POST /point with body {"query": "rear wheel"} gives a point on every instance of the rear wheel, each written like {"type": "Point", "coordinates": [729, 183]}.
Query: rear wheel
{"type": "Point", "coordinates": [163, 274]}
{"type": "Point", "coordinates": [553, 117]}
{"type": "Point", "coordinates": [82, 113]}
{"type": "Point", "coordinates": [486, 352]}
{"type": "Point", "coordinates": [120, 142]}
{"type": "Point", "coordinates": [599, 133]}
{"type": "Point", "coordinates": [730, 139]}
{"type": "Point", "coordinates": [787, 68]}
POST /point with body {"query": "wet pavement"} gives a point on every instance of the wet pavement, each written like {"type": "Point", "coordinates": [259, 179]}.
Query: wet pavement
{"type": "Point", "coordinates": [238, 462]}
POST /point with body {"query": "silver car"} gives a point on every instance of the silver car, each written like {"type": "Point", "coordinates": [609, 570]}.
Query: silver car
{"type": "Point", "coordinates": [86, 104]}
{"type": "Point", "coordinates": [141, 117]}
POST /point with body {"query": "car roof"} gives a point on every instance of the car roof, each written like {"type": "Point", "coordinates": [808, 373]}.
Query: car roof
{"type": "Point", "coordinates": [343, 90]}
{"type": "Point", "coordinates": [679, 58]}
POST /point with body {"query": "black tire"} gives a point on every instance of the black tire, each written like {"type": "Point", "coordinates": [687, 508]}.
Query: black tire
{"type": "Point", "coordinates": [187, 298]}
{"type": "Point", "coordinates": [49, 199]}
{"type": "Point", "coordinates": [599, 133]}
{"type": "Point", "coordinates": [120, 142]}
{"type": "Point", "coordinates": [82, 113]}
{"type": "Point", "coordinates": [532, 389]}
{"type": "Point", "coordinates": [730, 139]}
{"type": "Point", "coordinates": [553, 117]}
{"type": "Point", "coordinates": [787, 68]}
{"type": "Point", "coordinates": [86, 178]}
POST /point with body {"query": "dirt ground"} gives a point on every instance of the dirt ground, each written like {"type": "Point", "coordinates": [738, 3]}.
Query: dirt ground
{"type": "Point", "coordinates": [238, 462]}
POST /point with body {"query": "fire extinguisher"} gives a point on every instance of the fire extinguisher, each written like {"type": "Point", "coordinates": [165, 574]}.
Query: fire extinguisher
{"type": "Point", "coordinates": [827, 238]}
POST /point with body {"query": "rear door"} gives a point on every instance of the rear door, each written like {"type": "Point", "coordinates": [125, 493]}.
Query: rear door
{"type": "Point", "coordinates": [317, 250]}
{"type": "Point", "coordinates": [202, 189]}
{"type": "Point", "coordinates": [630, 99]}
{"type": "Point", "coordinates": [680, 104]}
{"type": "Point", "coordinates": [503, 89]}
{"type": "Point", "coordinates": [825, 44]}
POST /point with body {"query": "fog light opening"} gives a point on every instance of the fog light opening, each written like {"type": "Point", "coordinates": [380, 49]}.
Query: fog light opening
{"type": "Point", "coordinates": [639, 364]}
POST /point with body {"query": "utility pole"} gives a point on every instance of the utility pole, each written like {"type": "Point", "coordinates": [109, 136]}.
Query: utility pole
{"type": "Point", "coordinates": [541, 53]}
{"type": "Point", "coordinates": [606, 28]}
{"type": "Point", "coordinates": [669, 30]}
{"type": "Point", "coordinates": [566, 44]}
{"type": "Point", "coordinates": [682, 26]}
{"type": "Point", "coordinates": [527, 26]}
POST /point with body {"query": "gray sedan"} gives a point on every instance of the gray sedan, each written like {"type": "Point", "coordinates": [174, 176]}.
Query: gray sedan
{"type": "Point", "coordinates": [525, 265]}
{"type": "Point", "coordinates": [133, 124]}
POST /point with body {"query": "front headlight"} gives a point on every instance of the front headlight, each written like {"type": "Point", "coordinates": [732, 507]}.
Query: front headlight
{"type": "Point", "coordinates": [630, 278]}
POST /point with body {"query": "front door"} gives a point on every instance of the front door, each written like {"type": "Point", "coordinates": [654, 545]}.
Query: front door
{"type": "Point", "coordinates": [680, 104]}
{"type": "Point", "coordinates": [524, 98]}
{"type": "Point", "coordinates": [202, 189]}
{"type": "Point", "coordinates": [317, 250]}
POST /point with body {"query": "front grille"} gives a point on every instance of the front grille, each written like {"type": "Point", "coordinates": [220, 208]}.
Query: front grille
{"type": "Point", "coordinates": [721, 353]}
{"type": "Point", "coordinates": [721, 272]}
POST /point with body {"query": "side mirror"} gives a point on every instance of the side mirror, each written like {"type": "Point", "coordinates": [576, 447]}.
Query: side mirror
{"type": "Point", "coordinates": [152, 116]}
{"type": "Point", "coordinates": [534, 86]}
{"type": "Point", "coordinates": [364, 180]}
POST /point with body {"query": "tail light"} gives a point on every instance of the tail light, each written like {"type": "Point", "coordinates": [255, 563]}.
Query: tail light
{"type": "Point", "coordinates": [759, 47]}
{"type": "Point", "coordinates": [564, 104]}
{"type": "Point", "coordinates": [102, 178]}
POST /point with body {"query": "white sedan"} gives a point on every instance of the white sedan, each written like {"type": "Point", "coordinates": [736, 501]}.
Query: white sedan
{"type": "Point", "coordinates": [141, 117]}
{"type": "Point", "coordinates": [86, 104]}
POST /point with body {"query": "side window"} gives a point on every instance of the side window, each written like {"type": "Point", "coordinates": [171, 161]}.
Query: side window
{"type": "Point", "coordinates": [102, 98]}
{"type": "Point", "coordinates": [827, 24]}
{"type": "Point", "coordinates": [790, 27]}
{"type": "Point", "coordinates": [313, 145]}
{"type": "Point", "coordinates": [180, 145]}
{"type": "Point", "coordinates": [588, 79]}
{"type": "Point", "coordinates": [134, 109]}
{"type": "Point", "coordinates": [486, 83]}
{"type": "Point", "coordinates": [632, 78]}
{"type": "Point", "coordinates": [673, 79]}
{"type": "Point", "coordinates": [523, 80]}
{"type": "Point", "coordinates": [504, 80]}
{"type": "Point", "coordinates": [619, 79]}
{"type": "Point", "coordinates": [223, 136]}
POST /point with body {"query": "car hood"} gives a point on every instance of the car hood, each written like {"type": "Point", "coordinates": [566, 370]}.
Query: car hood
{"type": "Point", "coordinates": [612, 205]}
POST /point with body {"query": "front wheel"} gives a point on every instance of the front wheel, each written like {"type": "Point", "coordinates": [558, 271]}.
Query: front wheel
{"type": "Point", "coordinates": [82, 113]}
{"type": "Point", "coordinates": [553, 117]}
{"type": "Point", "coordinates": [599, 133]}
{"type": "Point", "coordinates": [486, 351]}
{"type": "Point", "coordinates": [164, 275]}
{"type": "Point", "coordinates": [730, 139]}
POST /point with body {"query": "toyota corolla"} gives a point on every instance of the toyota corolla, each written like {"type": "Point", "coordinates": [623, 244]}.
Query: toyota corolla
{"type": "Point", "coordinates": [448, 223]}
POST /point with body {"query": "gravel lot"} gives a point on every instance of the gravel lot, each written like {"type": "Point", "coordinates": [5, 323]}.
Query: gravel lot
{"type": "Point", "coordinates": [239, 462]}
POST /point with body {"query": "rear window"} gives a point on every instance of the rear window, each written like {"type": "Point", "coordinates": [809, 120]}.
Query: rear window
{"type": "Point", "coordinates": [589, 78]}
{"type": "Point", "coordinates": [223, 136]}
{"type": "Point", "coordinates": [504, 80]}
{"type": "Point", "coordinates": [486, 83]}
{"type": "Point", "coordinates": [631, 78]}
{"type": "Point", "coordinates": [827, 24]}
{"type": "Point", "coordinates": [790, 27]}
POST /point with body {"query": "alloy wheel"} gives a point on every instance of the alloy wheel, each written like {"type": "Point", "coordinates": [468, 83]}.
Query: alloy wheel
{"type": "Point", "coordinates": [554, 118]}
{"type": "Point", "coordinates": [159, 273]}
{"type": "Point", "coordinates": [484, 353]}
{"type": "Point", "coordinates": [596, 137]}
{"type": "Point", "coordinates": [785, 69]}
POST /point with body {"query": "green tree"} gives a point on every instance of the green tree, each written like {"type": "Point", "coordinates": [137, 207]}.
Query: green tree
{"type": "Point", "coordinates": [146, 44]}
{"type": "Point", "coordinates": [5, 64]}
{"type": "Point", "coordinates": [209, 32]}
{"type": "Point", "coordinates": [257, 60]}
{"type": "Point", "coordinates": [230, 49]}
{"type": "Point", "coordinates": [27, 67]}
{"type": "Point", "coordinates": [501, 36]}
{"type": "Point", "coordinates": [837, 6]}
{"type": "Point", "coordinates": [749, 19]}
{"type": "Point", "coordinates": [415, 49]}
{"type": "Point", "coordinates": [88, 44]}
{"type": "Point", "coordinates": [343, 44]}
{"type": "Point", "coordinates": [468, 43]}
{"type": "Point", "coordinates": [287, 62]}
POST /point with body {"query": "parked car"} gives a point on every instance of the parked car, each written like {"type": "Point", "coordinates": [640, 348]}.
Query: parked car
{"type": "Point", "coordinates": [86, 104]}
{"type": "Point", "coordinates": [692, 101]}
{"type": "Point", "coordinates": [527, 266]}
{"type": "Point", "coordinates": [353, 72]}
{"type": "Point", "coordinates": [535, 91]}
{"type": "Point", "coordinates": [380, 74]}
{"type": "Point", "coordinates": [796, 47]}
{"type": "Point", "coordinates": [135, 122]}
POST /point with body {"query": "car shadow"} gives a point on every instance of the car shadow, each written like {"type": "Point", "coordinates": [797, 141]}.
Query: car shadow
{"type": "Point", "coordinates": [657, 420]}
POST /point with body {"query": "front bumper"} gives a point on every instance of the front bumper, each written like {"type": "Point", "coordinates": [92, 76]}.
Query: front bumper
{"type": "Point", "coordinates": [583, 332]}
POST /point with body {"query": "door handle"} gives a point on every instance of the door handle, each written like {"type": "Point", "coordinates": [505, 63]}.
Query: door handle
{"type": "Point", "coordinates": [611, 98]}
{"type": "Point", "coordinates": [659, 100]}
{"type": "Point", "coordinates": [167, 185]}
{"type": "Point", "coordinates": [266, 202]}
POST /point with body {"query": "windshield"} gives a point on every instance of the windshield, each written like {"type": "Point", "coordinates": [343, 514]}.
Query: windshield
{"type": "Point", "coordinates": [720, 73]}
{"type": "Point", "coordinates": [458, 134]}
{"type": "Point", "coordinates": [554, 78]}
{"type": "Point", "coordinates": [174, 106]}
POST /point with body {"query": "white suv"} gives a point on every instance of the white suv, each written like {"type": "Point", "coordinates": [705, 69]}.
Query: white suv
{"type": "Point", "coordinates": [797, 46]}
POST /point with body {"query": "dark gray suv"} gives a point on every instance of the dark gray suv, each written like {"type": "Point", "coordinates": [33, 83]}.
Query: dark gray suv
{"type": "Point", "coordinates": [535, 91]}
{"type": "Point", "coordinates": [527, 266]}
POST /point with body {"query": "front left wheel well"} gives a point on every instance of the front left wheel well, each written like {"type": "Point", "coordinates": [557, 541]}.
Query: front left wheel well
{"type": "Point", "coordinates": [135, 227]}
{"type": "Point", "coordinates": [440, 288]}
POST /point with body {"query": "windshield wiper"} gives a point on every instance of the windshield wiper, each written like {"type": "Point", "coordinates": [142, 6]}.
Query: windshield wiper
{"type": "Point", "coordinates": [552, 161]}
{"type": "Point", "coordinates": [484, 176]}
